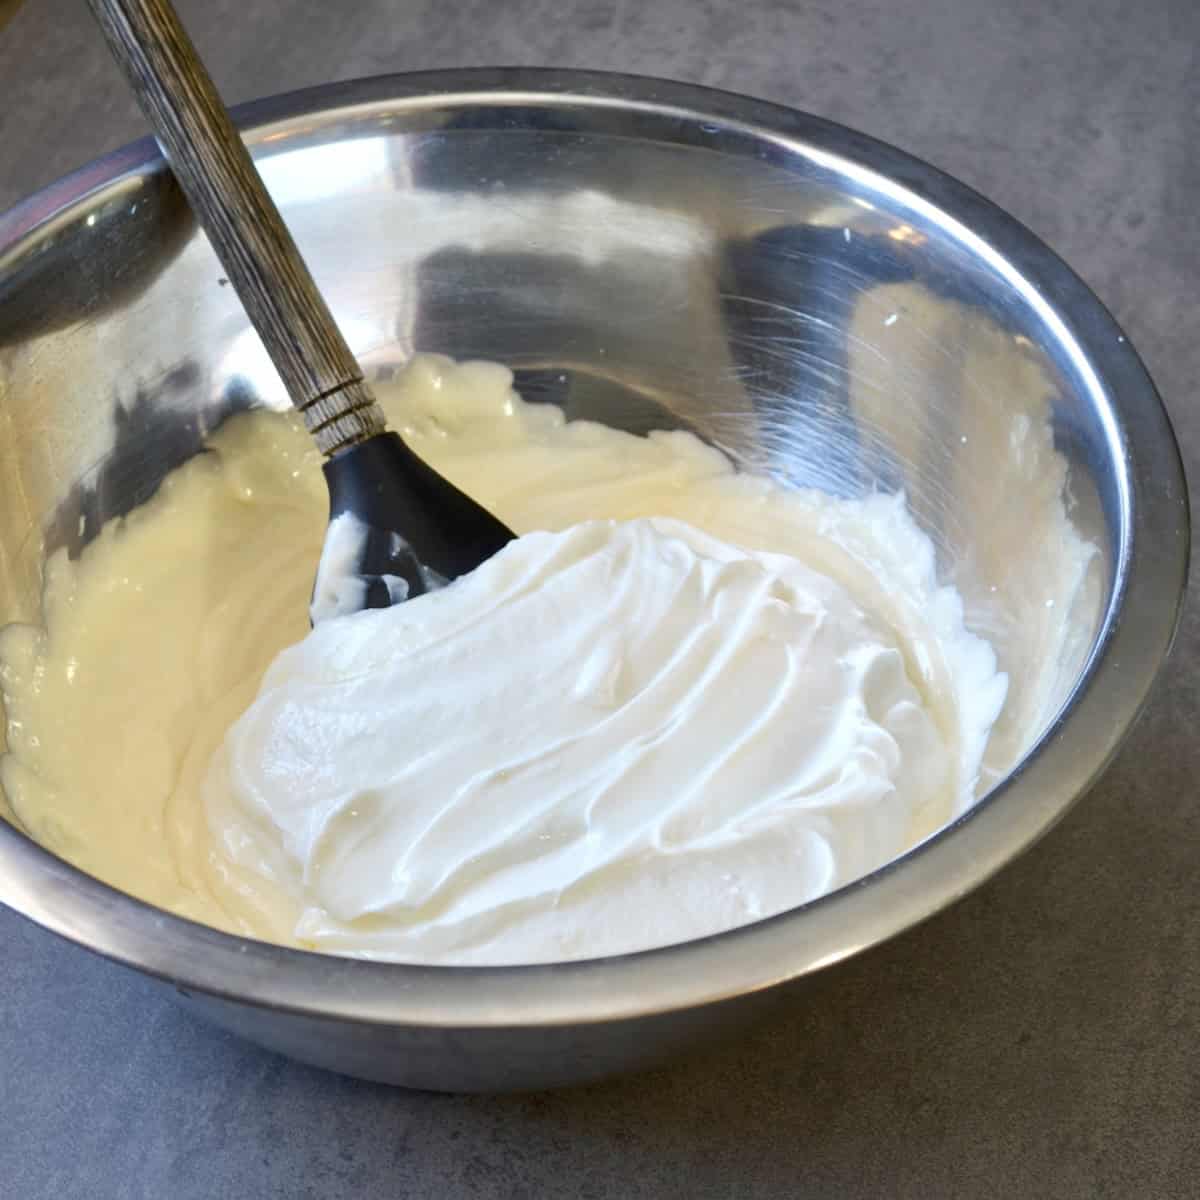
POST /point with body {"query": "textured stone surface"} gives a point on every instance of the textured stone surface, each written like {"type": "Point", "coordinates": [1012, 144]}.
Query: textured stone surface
{"type": "Point", "coordinates": [1040, 1039]}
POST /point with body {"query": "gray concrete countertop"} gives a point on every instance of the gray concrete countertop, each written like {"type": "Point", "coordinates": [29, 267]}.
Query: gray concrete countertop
{"type": "Point", "coordinates": [1040, 1039]}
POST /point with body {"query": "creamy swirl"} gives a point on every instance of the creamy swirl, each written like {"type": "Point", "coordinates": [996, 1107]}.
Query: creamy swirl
{"type": "Point", "coordinates": [623, 726]}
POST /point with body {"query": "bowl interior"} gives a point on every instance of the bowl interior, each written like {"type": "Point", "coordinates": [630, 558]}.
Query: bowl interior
{"type": "Point", "coordinates": [815, 318]}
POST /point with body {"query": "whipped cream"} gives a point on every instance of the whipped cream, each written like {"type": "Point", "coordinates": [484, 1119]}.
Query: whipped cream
{"type": "Point", "coordinates": [685, 699]}
{"type": "Point", "coordinates": [627, 730]}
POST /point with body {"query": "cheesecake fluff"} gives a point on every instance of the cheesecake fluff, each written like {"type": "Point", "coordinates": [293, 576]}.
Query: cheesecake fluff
{"type": "Point", "coordinates": [683, 699]}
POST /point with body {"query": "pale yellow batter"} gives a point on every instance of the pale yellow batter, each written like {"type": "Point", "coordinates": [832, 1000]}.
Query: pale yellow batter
{"type": "Point", "coordinates": [157, 639]}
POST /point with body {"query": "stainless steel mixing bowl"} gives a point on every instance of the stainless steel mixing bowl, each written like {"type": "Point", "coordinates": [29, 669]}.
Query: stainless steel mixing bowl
{"type": "Point", "coordinates": [648, 254]}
